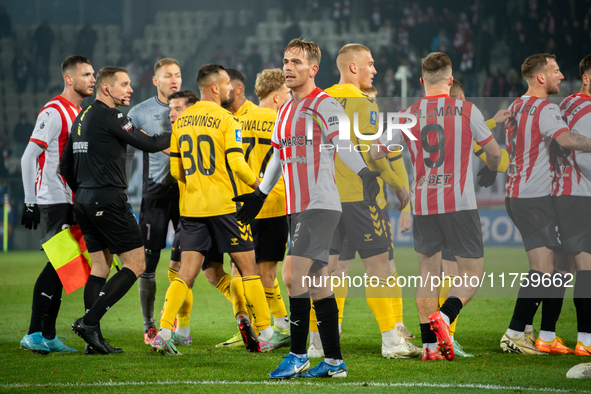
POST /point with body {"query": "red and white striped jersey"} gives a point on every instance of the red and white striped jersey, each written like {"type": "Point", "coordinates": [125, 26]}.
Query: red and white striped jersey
{"type": "Point", "coordinates": [572, 169]}
{"type": "Point", "coordinates": [442, 155]}
{"type": "Point", "coordinates": [534, 122]}
{"type": "Point", "coordinates": [308, 170]}
{"type": "Point", "coordinates": [52, 130]}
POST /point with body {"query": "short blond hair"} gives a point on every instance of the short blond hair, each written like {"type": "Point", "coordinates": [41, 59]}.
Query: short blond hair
{"type": "Point", "coordinates": [347, 50]}
{"type": "Point", "coordinates": [164, 62]}
{"type": "Point", "coordinates": [311, 50]}
{"type": "Point", "coordinates": [436, 67]}
{"type": "Point", "coordinates": [268, 81]}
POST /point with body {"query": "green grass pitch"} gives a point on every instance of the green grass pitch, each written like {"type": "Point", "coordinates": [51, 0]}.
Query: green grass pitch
{"type": "Point", "coordinates": [204, 368]}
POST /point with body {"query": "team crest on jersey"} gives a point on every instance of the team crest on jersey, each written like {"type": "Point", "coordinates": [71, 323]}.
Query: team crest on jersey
{"type": "Point", "coordinates": [238, 135]}
{"type": "Point", "coordinates": [373, 117]}
{"type": "Point", "coordinates": [119, 115]}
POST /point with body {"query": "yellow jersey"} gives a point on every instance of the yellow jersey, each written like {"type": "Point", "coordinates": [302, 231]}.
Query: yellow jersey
{"type": "Point", "coordinates": [257, 129]}
{"type": "Point", "coordinates": [246, 107]}
{"type": "Point", "coordinates": [204, 138]}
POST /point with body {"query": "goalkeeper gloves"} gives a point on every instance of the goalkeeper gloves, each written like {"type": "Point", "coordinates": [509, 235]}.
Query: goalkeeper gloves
{"type": "Point", "coordinates": [371, 187]}
{"type": "Point", "coordinates": [31, 216]}
{"type": "Point", "coordinates": [251, 205]}
{"type": "Point", "coordinates": [486, 177]}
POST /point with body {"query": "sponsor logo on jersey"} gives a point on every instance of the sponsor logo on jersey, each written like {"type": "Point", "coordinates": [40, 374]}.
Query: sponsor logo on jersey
{"type": "Point", "coordinates": [434, 181]}
{"type": "Point", "coordinates": [80, 146]}
{"type": "Point", "coordinates": [119, 115]}
{"type": "Point", "coordinates": [42, 126]}
{"type": "Point", "coordinates": [127, 126]}
{"type": "Point", "coordinates": [234, 241]}
{"type": "Point", "coordinates": [156, 116]}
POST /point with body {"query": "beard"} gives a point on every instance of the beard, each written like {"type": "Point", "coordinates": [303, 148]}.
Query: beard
{"type": "Point", "coordinates": [228, 101]}
{"type": "Point", "coordinates": [555, 89]}
{"type": "Point", "coordinates": [82, 90]}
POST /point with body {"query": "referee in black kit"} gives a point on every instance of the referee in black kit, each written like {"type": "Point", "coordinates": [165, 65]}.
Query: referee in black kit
{"type": "Point", "coordinates": [93, 165]}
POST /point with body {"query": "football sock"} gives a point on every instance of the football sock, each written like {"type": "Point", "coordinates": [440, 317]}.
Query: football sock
{"type": "Point", "coordinates": [224, 286]}
{"type": "Point", "coordinates": [93, 287]}
{"type": "Point", "coordinates": [52, 312]}
{"type": "Point", "coordinates": [183, 332]}
{"type": "Point", "coordinates": [396, 298]}
{"type": "Point", "coordinates": [547, 336]}
{"type": "Point", "coordinates": [255, 295]}
{"type": "Point", "coordinates": [328, 326]}
{"type": "Point", "coordinates": [165, 333]}
{"type": "Point", "coordinates": [582, 300]}
{"type": "Point", "coordinates": [277, 306]}
{"type": "Point", "coordinates": [585, 338]}
{"type": "Point", "coordinates": [147, 290]}
{"type": "Point", "coordinates": [315, 339]}
{"type": "Point", "coordinates": [529, 328]}
{"type": "Point", "coordinates": [514, 334]}
{"type": "Point", "coordinates": [333, 361]}
{"type": "Point", "coordinates": [299, 321]}
{"type": "Point", "coordinates": [340, 293]}
{"type": "Point", "coordinates": [171, 274]}
{"type": "Point", "coordinates": [552, 304]}
{"type": "Point", "coordinates": [391, 337]}
{"type": "Point", "coordinates": [175, 296]}
{"type": "Point", "coordinates": [43, 295]}
{"type": "Point", "coordinates": [313, 320]}
{"type": "Point", "coordinates": [111, 292]}
{"type": "Point", "coordinates": [238, 298]}
{"type": "Point", "coordinates": [378, 299]}
{"type": "Point", "coordinates": [266, 334]}
{"type": "Point", "coordinates": [183, 316]}
{"type": "Point", "coordinates": [446, 284]}
{"type": "Point", "coordinates": [528, 300]}
{"type": "Point", "coordinates": [451, 309]}
{"type": "Point", "coordinates": [428, 335]}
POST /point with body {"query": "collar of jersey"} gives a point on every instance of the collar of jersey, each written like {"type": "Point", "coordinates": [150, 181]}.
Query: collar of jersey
{"type": "Point", "coordinates": [439, 95]}
{"type": "Point", "coordinates": [65, 101]}
{"type": "Point", "coordinates": [580, 95]}
{"type": "Point", "coordinates": [160, 102]}
{"type": "Point", "coordinates": [314, 92]}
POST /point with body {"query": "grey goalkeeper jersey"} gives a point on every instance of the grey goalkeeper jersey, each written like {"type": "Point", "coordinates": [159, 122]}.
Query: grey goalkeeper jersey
{"type": "Point", "coordinates": [152, 117]}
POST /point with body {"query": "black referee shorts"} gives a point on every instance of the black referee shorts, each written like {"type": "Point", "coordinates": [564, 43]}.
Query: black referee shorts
{"type": "Point", "coordinates": [107, 221]}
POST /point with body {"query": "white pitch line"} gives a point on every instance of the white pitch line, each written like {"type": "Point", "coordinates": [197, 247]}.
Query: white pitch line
{"type": "Point", "coordinates": [293, 383]}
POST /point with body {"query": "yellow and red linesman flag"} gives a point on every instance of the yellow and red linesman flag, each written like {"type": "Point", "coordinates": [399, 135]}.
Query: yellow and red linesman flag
{"type": "Point", "coordinates": [68, 254]}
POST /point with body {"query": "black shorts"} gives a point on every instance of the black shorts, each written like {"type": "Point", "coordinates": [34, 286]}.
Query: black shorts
{"type": "Point", "coordinates": [346, 253]}
{"type": "Point", "coordinates": [107, 221]}
{"type": "Point", "coordinates": [365, 227]}
{"type": "Point", "coordinates": [55, 218]}
{"type": "Point", "coordinates": [175, 251]}
{"type": "Point", "coordinates": [460, 230]}
{"type": "Point", "coordinates": [155, 213]}
{"type": "Point", "coordinates": [199, 234]}
{"type": "Point", "coordinates": [212, 255]}
{"type": "Point", "coordinates": [536, 220]}
{"type": "Point", "coordinates": [574, 218]}
{"type": "Point", "coordinates": [311, 233]}
{"type": "Point", "coordinates": [270, 238]}
{"type": "Point", "coordinates": [446, 254]}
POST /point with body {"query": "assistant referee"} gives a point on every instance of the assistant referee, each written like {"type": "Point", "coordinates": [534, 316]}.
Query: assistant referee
{"type": "Point", "coordinates": [93, 165]}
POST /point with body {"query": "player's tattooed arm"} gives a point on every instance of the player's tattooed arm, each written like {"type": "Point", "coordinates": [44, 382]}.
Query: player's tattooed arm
{"type": "Point", "coordinates": [574, 141]}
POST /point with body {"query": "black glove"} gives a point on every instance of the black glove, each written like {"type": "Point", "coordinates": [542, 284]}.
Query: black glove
{"type": "Point", "coordinates": [487, 177]}
{"type": "Point", "coordinates": [370, 184]}
{"type": "Point", "coordinates": [31, 216]}
{"type": "Point", "coordinates": [251, 205]}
